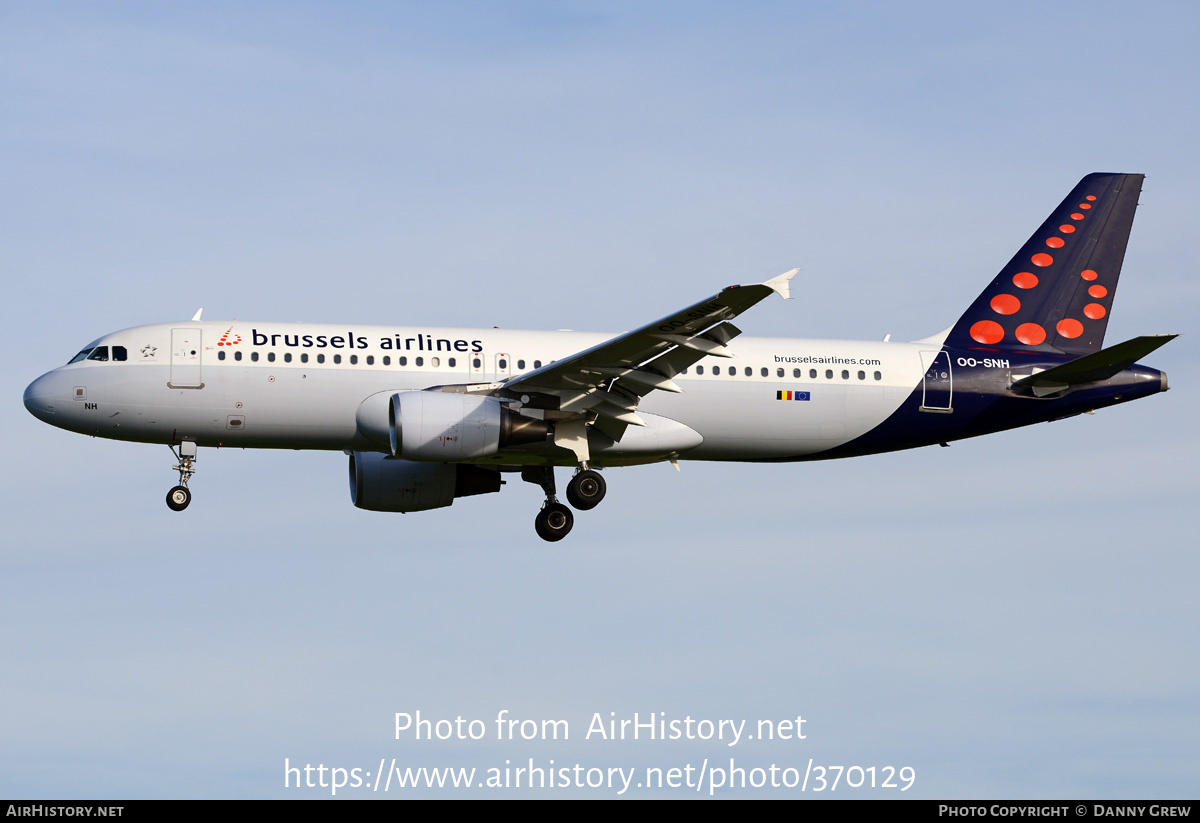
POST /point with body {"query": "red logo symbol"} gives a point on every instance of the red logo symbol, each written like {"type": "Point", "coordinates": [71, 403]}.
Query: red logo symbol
{"type": "Point", "coordinates": [225, 341]}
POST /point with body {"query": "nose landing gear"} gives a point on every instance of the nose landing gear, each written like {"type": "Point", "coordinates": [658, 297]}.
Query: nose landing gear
{"type": "Point", "coordinates": [180, 496]}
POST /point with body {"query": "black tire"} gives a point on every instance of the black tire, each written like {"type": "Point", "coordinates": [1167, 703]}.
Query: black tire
{"type": "Point", "coordinates": [554, 522]}
{"type": "Point", "coordinates": [586, 490]}
{"type": "Point", "coordinates": [178, 498]}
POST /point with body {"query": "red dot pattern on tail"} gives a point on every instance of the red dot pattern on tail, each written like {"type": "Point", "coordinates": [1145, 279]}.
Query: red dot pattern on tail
{"type": "Point", "coordinates": [988, 332]}
{"type": "Point", "coordinates": [1005, 304]}
{"type": "Point", "coordinates": [1069, 327]}
{"type": "Point", "coordinates": [1031, 334]}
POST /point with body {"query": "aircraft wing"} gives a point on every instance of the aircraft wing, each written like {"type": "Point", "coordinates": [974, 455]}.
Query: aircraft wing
{"type": "Point", "coordinates": [608, 380]}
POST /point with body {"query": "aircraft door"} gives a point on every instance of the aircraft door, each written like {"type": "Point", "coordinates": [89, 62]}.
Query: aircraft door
{"type": "Point", "coordinates": [938, 391]}
{"type": "Point", "coordinates": [185, 359]}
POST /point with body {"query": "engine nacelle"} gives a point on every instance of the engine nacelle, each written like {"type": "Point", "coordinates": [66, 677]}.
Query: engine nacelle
{"type": "Point", "coordinates": [451, 426]}
{"type": "Point", "coordinates": [380, 483]}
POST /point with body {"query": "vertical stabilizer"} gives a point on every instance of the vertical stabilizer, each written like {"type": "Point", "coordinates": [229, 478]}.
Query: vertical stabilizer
{"type": "Point", "coordinates": [1056, 294]}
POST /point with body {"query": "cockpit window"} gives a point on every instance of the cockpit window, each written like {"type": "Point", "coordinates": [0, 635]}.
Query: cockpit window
{"type": "Point", "coordinates": [99, 353]}
{"type": "Point", "coordinates": [119, 353]}
{"type": "Point", "coordinates": [82, 355]}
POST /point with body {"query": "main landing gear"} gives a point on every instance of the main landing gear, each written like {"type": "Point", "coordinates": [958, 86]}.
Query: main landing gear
{"type": "Point", "coordinates": [584, 492]}
{"type": "Point", "coordinates": [179, 496]}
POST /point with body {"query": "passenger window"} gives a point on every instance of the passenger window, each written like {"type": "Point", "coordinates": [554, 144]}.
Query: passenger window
{"type": "Point", "coordinates": [862, 375]}
{"type": "Point", "coordinates": [287, 357]}
{"type": "Point", "coordinates": [119, 353]}
{"type": "Point", "coordinates": [812, 373]}
{"type": "Point", "coordinates": [401, 361]}
{"type": "Point", "coordinates": [237, 355]}
{"type": "Point", "coordinates": [749, 372]}
{"type": "Point", "coordinates": [270, 357]}
{"type": "Point", "coordinates": [503, 364]}
{"type": "Point", "coordinates": [254, 356]}
{"type": "Point", "coordinates": [476, 363]}
{"type": "Point", "coordinates": [829, 374]}
{"type": "Point", "coordinates": [845, 374]}
{"type": "Point", "coordinates": [779, 373]}
{"type": "Point", "coordinates": [537, 364]}
{"type": "Point", "coordinates": [420, 361]}
{"type": "Point", "coordinates": [304, 357]}
{"type": "Point", "coordinates": [716, 369]}
{"type": "Point", "coordinates": [354, 360]}
{"type": "Point", "coordinates": [370, 360]}
{"type": "Point", "coordinates": [521, 365]}
{"type": "Point", "coordinates": [99, 353]}
{"type": "Point", "coordinates": [451, 362]}
{"type": "Point", "coordinates": [220, 355]}
{"type": "Point", "coordinates": [435, 361]}
{"type": "Point", "coordinates": [699, 370]}
{"type": "Point", "coordinates": [878, 376]}
{"type": "Point", "coordinates": [796, 373]}
{"type": "Point", "coordinates": [320, 358]}
{"type": "Point", "coordinates": [337, 358]}
{"type": "Point", "coordinates": [387, 361]}
{"type": "Point", "coordinates": [765, 372]}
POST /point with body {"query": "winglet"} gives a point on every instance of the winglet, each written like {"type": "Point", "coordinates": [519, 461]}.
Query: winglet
{"type": "Point", "coordinates": [196, 316]}
{"type": "Point", "coordinates": [780, 283]}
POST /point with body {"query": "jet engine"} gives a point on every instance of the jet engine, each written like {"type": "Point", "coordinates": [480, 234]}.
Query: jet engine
{"type": "Point", "coordinates": [380, 483]}
{"type": "Point", "coordinates": [450, 426]}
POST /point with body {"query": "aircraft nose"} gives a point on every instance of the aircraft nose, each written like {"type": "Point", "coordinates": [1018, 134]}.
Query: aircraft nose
{"type": "Point", "coordinates": [40, 397]}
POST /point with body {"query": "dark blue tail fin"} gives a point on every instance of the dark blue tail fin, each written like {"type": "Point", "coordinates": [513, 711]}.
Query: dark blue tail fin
{"type": "Point", "coordinates": [1056, 294]}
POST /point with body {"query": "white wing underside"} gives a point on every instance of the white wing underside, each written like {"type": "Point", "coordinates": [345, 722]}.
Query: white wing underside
{"type": "Point", "coordinates": [601, 387]}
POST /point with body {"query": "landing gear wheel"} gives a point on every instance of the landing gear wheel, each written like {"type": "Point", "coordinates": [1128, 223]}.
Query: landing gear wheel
{"type": "Point", "coordinates": [178, 498]}
{"type": "Point", "coordinates": [554, 522]}
{"type": "Point", "coordinates": [586, 490]}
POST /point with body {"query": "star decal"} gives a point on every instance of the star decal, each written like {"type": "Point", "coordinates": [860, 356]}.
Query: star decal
{"type": "Point", "coordinates": [148, 351]}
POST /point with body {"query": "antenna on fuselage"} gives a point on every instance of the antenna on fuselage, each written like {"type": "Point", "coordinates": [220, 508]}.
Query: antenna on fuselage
{"type": "Point", "coordinates": [196, 316]}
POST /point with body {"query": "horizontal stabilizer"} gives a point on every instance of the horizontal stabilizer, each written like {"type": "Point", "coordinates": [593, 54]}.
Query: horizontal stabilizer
{"type": "Point", "coordinates": [1098, 366]}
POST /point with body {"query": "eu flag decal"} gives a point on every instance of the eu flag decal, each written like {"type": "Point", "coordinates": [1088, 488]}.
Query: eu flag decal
{"type": "Point", "coordinates": [792, 395]}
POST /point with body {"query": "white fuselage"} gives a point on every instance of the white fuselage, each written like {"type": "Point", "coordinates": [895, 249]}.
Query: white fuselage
{"type": "Point", "coordinates": [301, 386]}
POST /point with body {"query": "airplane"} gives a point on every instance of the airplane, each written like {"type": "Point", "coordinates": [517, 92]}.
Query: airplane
{"type": "Point", "coordinates": [429, 415]}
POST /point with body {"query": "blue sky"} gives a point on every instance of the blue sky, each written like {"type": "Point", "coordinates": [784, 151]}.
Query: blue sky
{"type": "Point", "coordinates": [1012, 617]}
